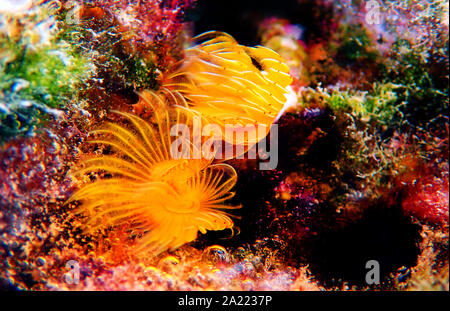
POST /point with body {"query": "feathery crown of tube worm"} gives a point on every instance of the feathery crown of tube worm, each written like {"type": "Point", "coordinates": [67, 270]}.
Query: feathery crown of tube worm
{"type": "Point", "coordinates": [232, 84]}
{"type": "Point", "coordinates": [164, 199]}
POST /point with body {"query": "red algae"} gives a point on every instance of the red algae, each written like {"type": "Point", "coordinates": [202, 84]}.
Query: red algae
{"type": "Point", "coordinates": [155, 24]}
{"type": "Point", "coordinates": [428, 199]}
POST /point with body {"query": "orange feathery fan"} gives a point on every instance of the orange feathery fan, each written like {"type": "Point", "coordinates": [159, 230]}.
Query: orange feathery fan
{"type": "Point", "coordinates": [231, 84]}
{"type": "Point", "coordinates": [164, 200]}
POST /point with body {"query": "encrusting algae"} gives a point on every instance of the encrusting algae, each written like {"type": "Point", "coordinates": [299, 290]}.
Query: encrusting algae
{"type": "Point", "coordinates": [162, 199]}
{"type": "Point", "coordinates": [231, 84]}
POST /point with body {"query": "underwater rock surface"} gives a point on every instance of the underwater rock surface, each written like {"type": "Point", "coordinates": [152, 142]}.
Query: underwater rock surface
{"type": "Point", "coordinates": [359, 100]}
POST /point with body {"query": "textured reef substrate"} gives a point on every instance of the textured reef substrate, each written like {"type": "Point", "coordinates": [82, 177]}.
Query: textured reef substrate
{"type": "Point", "coordinates": [362, 168]}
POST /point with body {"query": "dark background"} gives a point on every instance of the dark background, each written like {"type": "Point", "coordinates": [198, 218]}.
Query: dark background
{"type": "Point", "coordinates": [241, 19]}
